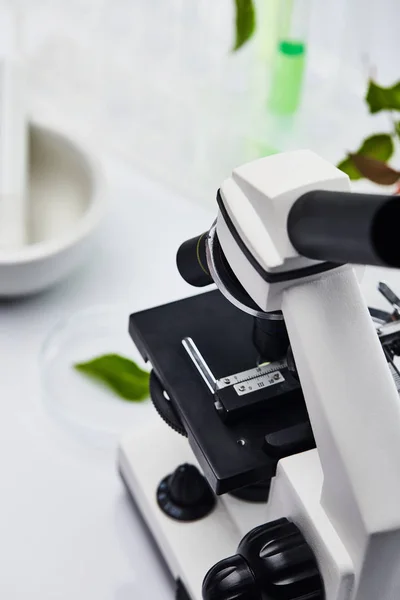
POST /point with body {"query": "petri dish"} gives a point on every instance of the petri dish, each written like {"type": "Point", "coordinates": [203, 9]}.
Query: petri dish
{"type": "Point", "coordinates": [86, 407]}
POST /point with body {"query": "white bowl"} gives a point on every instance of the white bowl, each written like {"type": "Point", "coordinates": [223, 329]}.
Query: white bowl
{"type": "Point", "coordinates": [66, 203]}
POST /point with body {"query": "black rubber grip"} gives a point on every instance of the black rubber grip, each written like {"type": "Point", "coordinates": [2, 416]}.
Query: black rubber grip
{"type": "Point", "coordinates": [345, 227]}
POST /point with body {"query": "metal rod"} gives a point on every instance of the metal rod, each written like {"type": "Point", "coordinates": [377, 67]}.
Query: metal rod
{"type": "Point", "coordinates": [200, 363]}
{"type": "Point", "coordinates": [390, 296]}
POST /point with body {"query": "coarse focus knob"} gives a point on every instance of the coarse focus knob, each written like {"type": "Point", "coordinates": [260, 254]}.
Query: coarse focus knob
{"type": "Point", "coordinates": [231, 579]}
{"type": "Point", "coordinates": [274, 562]}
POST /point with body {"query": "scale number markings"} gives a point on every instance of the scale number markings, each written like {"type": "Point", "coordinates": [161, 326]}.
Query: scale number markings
{"type": "Point", "coordinates": [264, 381]}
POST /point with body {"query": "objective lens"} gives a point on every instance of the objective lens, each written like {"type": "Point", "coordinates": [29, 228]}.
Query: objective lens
{"type": "Point", "coordinates": [192, 262]}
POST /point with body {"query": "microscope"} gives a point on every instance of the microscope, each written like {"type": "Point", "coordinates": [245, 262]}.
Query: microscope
{"type": "Point", "coordinates": [284, 483]}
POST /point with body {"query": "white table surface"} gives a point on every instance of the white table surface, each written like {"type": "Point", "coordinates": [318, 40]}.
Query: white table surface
{"type": "Point", "coordinates": [67, 529]}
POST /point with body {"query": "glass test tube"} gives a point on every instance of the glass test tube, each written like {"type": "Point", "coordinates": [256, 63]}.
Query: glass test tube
{"type": "Point", "coordinates": [290, 59]}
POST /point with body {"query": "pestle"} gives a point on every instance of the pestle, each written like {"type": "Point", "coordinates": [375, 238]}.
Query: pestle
{"type": "Point", "coordinates": [13, 139]}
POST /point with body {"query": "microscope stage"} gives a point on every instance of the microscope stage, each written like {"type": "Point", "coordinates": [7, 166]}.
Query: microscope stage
{"type": "Point", "coordinates": [236, 454]}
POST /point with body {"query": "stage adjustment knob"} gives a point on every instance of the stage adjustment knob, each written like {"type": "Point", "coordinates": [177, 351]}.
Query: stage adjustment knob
{"type": "Point", "coordinates": [274, 562]}
{"type": "Point", "coordinates": [185, 495]}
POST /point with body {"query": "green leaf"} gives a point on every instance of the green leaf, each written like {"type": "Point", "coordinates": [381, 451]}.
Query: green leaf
{"type": "Point", "coordinates": [348, 167]}
{"type": "Point", "coordinates": [120, 374]}
{"type": "Point", "coordinates": [375, 170]}
{"type": "Point", "coordinates": [379, 147]}
{"type": "Point", "coordinates": [379, 98]}
{"type": "Point", "coordinates": [245, 22]}
{"type": "Point", "coordinates": [397, 128]}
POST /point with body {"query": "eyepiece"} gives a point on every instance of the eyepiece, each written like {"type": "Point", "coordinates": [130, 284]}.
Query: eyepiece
{"type": "Point", "coordinates": [345, 227]}
{"type": "Point", "coordinates": [192, 262]}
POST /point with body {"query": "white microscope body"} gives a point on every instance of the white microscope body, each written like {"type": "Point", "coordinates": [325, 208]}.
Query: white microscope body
{"type": "Point", "coordinates": [343, 496]}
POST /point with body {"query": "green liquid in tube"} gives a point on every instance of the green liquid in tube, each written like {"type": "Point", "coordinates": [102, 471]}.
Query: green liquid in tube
{"type": "Point", "coordinates": [287, 77]}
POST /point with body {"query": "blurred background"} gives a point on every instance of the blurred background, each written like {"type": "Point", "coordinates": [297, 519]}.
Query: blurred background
{"type": "Point", "coordinates": [157, 81]}
{"type": "Point", "coordinates": [137, 110]}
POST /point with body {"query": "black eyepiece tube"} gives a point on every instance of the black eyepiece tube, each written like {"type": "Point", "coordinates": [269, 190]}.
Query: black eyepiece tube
{"type": "Point", "coordinates": [192, 262]}
{"type": "Point", "coordinates": [345, 227]}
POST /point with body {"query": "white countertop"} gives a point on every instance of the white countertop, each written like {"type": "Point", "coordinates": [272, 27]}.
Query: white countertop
{"type": "Point", "coordinates": [67, 529]}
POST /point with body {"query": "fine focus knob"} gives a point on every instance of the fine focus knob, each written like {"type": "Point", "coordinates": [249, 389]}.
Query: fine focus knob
{"type": "Point", "coordinates": [274, 562]}
{"type": "Point", "coordinates": [185, 495]}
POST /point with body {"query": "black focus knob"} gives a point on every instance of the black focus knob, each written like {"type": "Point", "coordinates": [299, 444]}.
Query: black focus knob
{"type": "Point", "coordinates": [185, 495]}
{"type": "Point", "coordinates": [274, 562]}
{"type": "Point", "coordinates": [231, 579]}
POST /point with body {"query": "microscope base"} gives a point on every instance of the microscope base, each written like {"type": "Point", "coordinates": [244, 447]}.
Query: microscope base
{"type": "Point", "coordinates": [191, 549]}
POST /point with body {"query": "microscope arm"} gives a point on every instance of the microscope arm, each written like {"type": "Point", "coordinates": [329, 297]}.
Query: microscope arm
{"type": "Point", "coordinates": [355, 413]}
